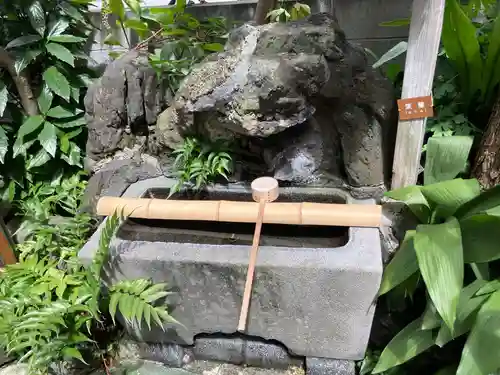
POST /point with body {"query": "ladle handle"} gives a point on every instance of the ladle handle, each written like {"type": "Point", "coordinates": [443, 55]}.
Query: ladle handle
{"type": "Point", "coordinates": [251, 268]}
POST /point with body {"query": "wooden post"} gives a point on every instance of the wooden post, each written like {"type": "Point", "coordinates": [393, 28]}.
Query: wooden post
{"type": "Point", "coordinates": [6, 246]}
{"type": "Point", "coordinates": [423, 47]}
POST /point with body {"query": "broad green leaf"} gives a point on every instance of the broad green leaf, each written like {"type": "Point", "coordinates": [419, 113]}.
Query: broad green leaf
{"type": "Point", "coordinates": [462, 47]}
{"type": "Point", "coordinates": [448, 196]}
{"type": "Point", "coordinates": [394, 52]}
{"type": "Point", "coordinates": [73, 12]}
{"type": "Point", "coordinates": [25, 59]}
{"type": "Point", "coordinates": [468, 305]}
{"type": "Point", "coordinates": [412, 196]}
{"type": "Point", "coordinates": [481, 353]}
{"type": "Point", "coordinates": [407, 344]}
{"type": "Point", "coordinates": [45, 99]}
{"type": "Point", "coordinates": [36, 15]}
{"type": "Point", "coordinates": [70, 352]}
{"type": "Point", "coordinates": [57, 82]}
{"type": "Point", "coordinates": [61, 112]}
{"type": "Point", "coordinates": [116, 7]}
{"type": "Point", "coordinates": [48, 138]}
{"type": "Point", "coordinates": [446, 158]}
{"type": "Point", "coordinates": [39, 159]}
{"type": "Point", "coordinates": [488, 200]}
{"type": "Point", "coordinates": [65, 38]}
{"type": "Point", "coordinates": [31, 124]}
{"type": "Point", "coordinates": [489, 288]}
{"type": "Point", "coordinates": [61, 52]}
{"type": "Point", "coordinates": [134, 5]}
{"type": "Point", "coordinates": [58, 28]}
{"type": "Point", "coordinates": [479, 238]}
{"type": "Point", "coordinates": [396, 23]}
{"type": "Point", "coordinates": [20, 147]}
{"type": "Point", "coordinates": [23, 41]}
{"type": "Point", "coordinates": [136, 25]}
{"type": "Point", "coordinates": [74, 156]}
{"type": "Point", "coordinates": [4, 98]}
{"type": "Point", "coordinates": [402, 265]}
{"type": "Point", "coordinates": [430, 318]}
{"type": "Point", "coordinates": [491, 71]}
{"type": "Point", "coordinates": [440, 259]}
{"type": "Point", "coordinates": [4, 144]}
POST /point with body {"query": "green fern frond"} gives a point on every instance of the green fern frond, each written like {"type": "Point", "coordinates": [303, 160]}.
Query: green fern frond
{"type": "Point", "coordinates": [135, 301]}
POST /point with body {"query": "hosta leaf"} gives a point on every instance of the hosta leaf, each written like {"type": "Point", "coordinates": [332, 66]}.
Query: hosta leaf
{"type": "Point", "coordinates": [478, 238]}
{"type": "Point", "coordinates": [412, 196]}
{"type": "Point", "coordinates": [66, 38]}
{"type": "Point", "coordinates": [45, 99]}
{"type": "Point", "coordinates": [481, 353]}
{"type": "Point", "coordinates": [488, 200]}
{"type": "Point", "coordinates": [61, 52]}
{"type": "Point", "coordinates": [36, 15]}
{"type": "Point", "coordinates": [4, 98]}
{"type": "Point", "coordinates": [25, 58]}
{"type": "Point", "coordinates": [57, 82]}
{"type": "Point", "coordinates": [61, 112]}
{"type": "Point", "coordinates": [408, 343]}
{"type": "Point", "coordinates": [468, 305]}
{"type": "Point", "coordinates": [446, 158]}
{"type": "Point", "coordinates": [31, 124]}
{"type": "Point", "coordinates": [489, 288]}
{"type": "Point", "coordinates": [402, 265]}
{"type": "Point", "coordinates": [48, 138]}
{"type": "Point", "coordinates": [39, 159]}
{"type": "Point", "coordinates": [448, 196]}
{"type": "Point", "coordinates": [440, 258]}
{"type": "Point", "coordinates": [4, 144]}
{"type": "Point", "coordinates": [58, 28]}
{"type": "Point", "coordinates": [23, 41]}
{"type": "Point", "coordinates": [430, 318]}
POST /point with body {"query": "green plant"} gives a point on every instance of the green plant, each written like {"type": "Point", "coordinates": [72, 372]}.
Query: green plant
{"type": "Point", "coordinates": [43, 78]}
{"type": "Point", "coordinates": [296, 12]}
{"type": "Point", "coordinates": [184, 40]}
{"type": "Point", "coordinates": [52, 308]}
{"type": "Point", "coordinates": [199, 164]}
{"type": "Point", "coordinates": [451, 254]}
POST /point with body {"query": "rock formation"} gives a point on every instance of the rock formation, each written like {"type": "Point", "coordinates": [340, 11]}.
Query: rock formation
{"type": "Point", "coordinates": [298, 95]}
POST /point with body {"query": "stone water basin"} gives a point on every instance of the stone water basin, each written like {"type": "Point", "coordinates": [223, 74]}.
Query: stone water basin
{"type": "Point", "coordinates": [314, 287]}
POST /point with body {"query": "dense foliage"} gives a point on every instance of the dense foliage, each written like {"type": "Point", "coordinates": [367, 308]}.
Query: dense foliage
{"type": "Point", "coordinates": [43, 77]}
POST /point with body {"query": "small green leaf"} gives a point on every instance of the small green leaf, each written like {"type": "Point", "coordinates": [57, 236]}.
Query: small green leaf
{"type": "Point", "coordinates": [481, 353]}
{"type": "Point", "coordinates": [4, 98]}
{"type": "Point", "coordinates": [213, 47]}
{"type": "Point", "coordinates": [45, 99]}
{"type": "Point", "coordinates": [57, 82]}
{"type": "Point", "coordinates": [408, 343]}
{"type": "Point", "coordinates": [61, 52]}
{"type": "Point", "coordinates": [4, 144]}
{"type": "Point", "coordinates": [31, 124]}
{"type": "Point", "coordinates": [136, 25]}
{"type": "Point", "coordinates": [440, 258]}
{"type": "Point", "coordinates": [75, 155]}
{"type": "Point", "coordinates": [134, 5]}
{"type": "Point", "coordinates": [396, 23]}
{"type": "Point", "coordinates": [412, 196]}
{"type": "Point", "coordinates": [36, 15]}
{"type": "Point", "coordinates": [65, 38]}
{"type": "Point", "coordinates": [446, 158]}
{"type": "Point", "coordinates": [48, 138]}
{"type": "Point", "coordinates": [113, 304]}
{"type": "Point", "coordinates": [402, 265]}
{"type": "Point", "coordinates": [70, 352]}
{"type": "Point", "coordinates": [116, 7]}
{"type": "Point", "coordinates": [394, 52]}
{"type": "Point", "coordinates": [61, 112]}
{"type": "Point", "coordinates": [39, 159]}
{"type": "Point", "coordinates": [23, 41]}
{"type": "Point", "coordinates": [25, 59]}
{"type": "Point", "coordinates": [58, 28]}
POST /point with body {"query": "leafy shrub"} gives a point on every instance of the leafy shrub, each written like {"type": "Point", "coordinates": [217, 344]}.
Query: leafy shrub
{"type": "Point", "coordinates": [184, 40]}
{"type": "Point", "coordinates": [52, 308]}
{"type": "Point", "coordinates": [200, 164]}
{"type": "Point", "coordinates": [296, 12]}
{"type": "Point", "coordinates": [452, 250]}
{"type": "Point", "coordinates": [43, 78]}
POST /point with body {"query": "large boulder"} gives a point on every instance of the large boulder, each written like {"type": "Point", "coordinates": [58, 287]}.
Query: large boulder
{"type": "Point", "coordinates": [302, 93]}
